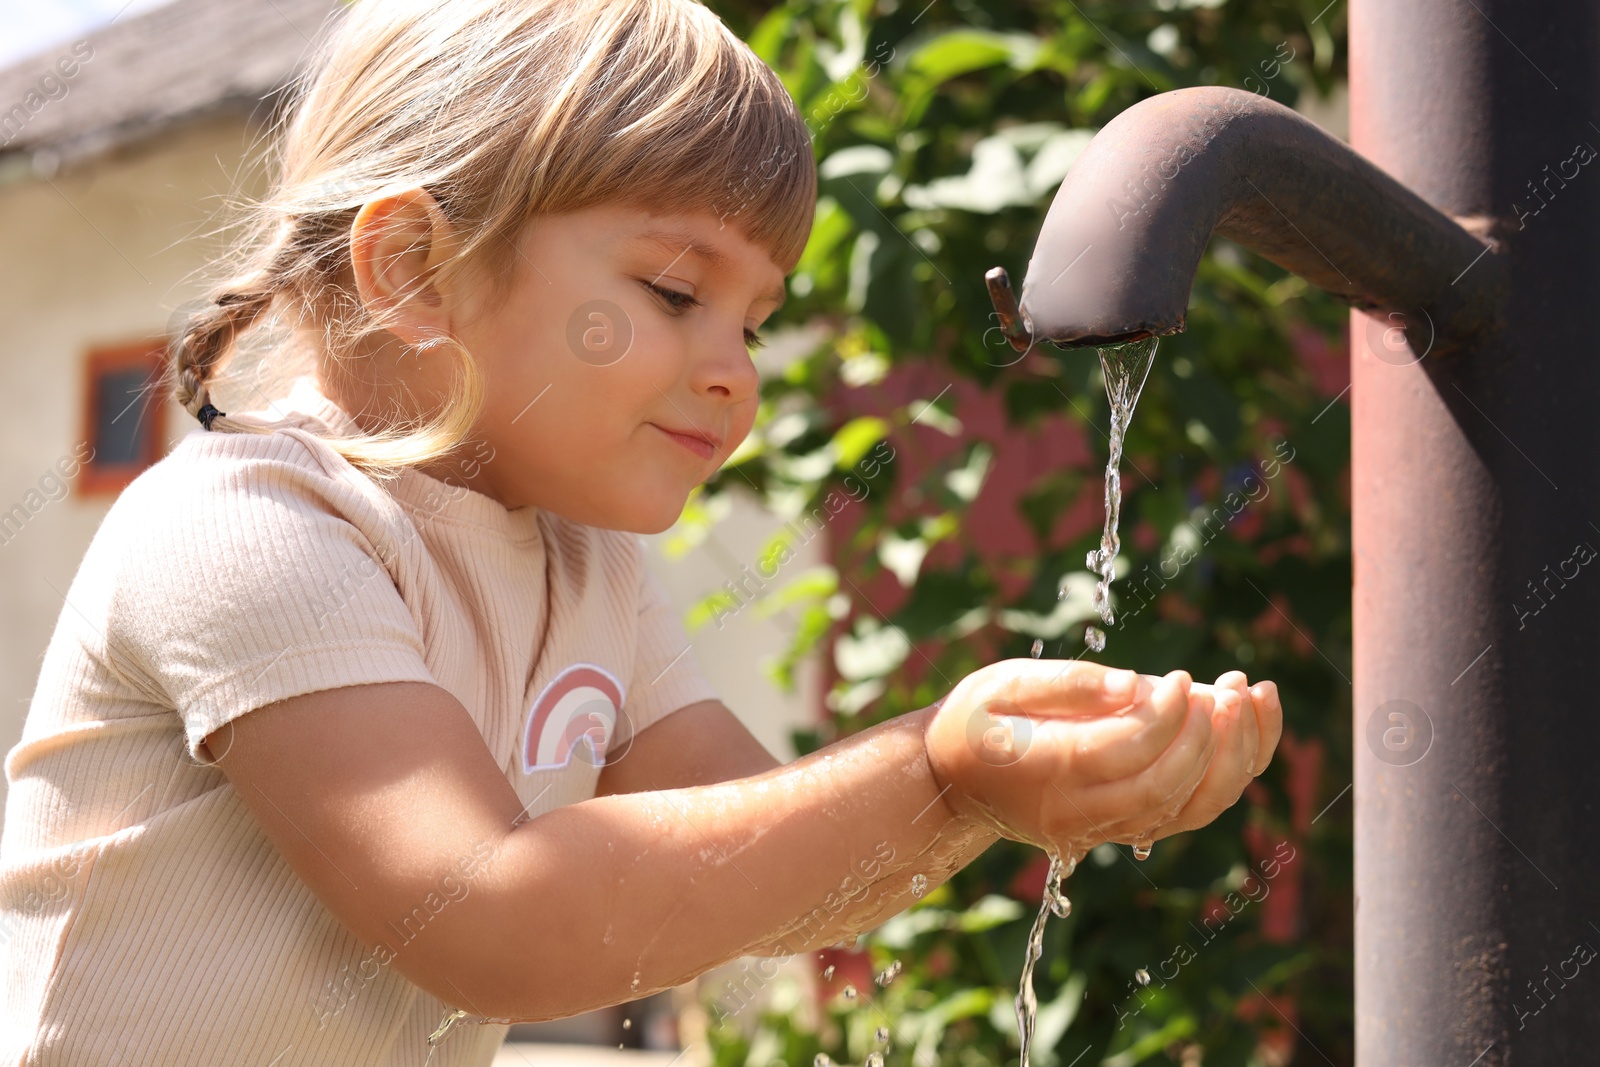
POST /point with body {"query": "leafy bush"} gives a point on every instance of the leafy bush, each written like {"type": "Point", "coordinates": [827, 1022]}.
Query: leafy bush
{"type": "Point", "coordinates": [942, 130]}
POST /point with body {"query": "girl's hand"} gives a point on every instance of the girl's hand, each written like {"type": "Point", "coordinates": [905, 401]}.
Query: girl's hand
{"type": "Point", "coordinates": [1069, 763]}
{"type": "Point", "coordinates": [1248, 721]}
{"type": "Point", "coordinates": [1066, 754]}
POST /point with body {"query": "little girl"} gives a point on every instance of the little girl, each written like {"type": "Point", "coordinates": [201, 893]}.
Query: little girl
{"type": "Point", "coordinates": [365, 730]}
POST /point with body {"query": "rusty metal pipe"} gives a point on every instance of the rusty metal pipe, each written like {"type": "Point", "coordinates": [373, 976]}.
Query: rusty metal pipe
{"type": "Point", "coordinates": [1117, 254]}
{"type": "Point", "coordinates": [1475, 500]}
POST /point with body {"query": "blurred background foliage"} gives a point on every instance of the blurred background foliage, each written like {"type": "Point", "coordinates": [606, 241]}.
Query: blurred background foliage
{"type": "Point", "coordinates": [942, 130]}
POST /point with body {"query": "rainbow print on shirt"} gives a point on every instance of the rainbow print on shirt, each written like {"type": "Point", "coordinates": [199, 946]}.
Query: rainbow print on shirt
{"type": "Point", "coordinates": [576, 712]}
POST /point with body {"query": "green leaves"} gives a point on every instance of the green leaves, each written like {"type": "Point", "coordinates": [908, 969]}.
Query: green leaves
{"type": "Point", "coordinates": [958, 52]}
{"type": "Point", "coordinates": [942, 133]}
{"type": "Point", "coordinates": [1016, 167]}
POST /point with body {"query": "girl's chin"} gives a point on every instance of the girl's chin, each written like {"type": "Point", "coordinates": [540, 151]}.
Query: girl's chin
{"type": "Point", "coordinates": [647, 516]}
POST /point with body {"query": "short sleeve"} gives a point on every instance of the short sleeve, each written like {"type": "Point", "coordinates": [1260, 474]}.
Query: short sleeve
{"type": "Point", "coordinates": [243, 578]}
{"type": "Point", "coordinates": [666, 676]}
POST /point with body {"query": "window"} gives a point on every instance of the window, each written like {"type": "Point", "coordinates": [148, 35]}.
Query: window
{"type": "Point", "coordinates": [124, 414]}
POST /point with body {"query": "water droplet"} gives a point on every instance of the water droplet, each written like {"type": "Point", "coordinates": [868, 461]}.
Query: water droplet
{"type": "Point", "coordinates": [1095, 638]}
{"type": "Point", "coordinates": [1038, 647]}
{"type": "Point", "coordinates": [1141, 850]}
{"type": "Point", "coordinates": [822, 1060]}
{"type": "Point", "coordinates": [849, 992]}
{"type": "Point", "coordinates": [882, 1034]}
{"type": "Point", "coordinates": [1060, 905]}
{"type": "Point", "coordinates": [874, 1059]}
{"type": "Point", "coordinates": [919, 884]}
{"type": "Point", "coordinates": [827, 973]}
{"type": "Point", "coordinates": [627, 1024]}
{"type": "Point", "coordinates": [635, 984]}
{"type": "Point", "coordinates": [889, 973]}
{"type": "Point", "coordinates": [1142, 976]}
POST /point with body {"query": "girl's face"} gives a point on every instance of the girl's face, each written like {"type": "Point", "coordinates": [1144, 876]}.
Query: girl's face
{"type": "Point", "coordinates": [617, 372]}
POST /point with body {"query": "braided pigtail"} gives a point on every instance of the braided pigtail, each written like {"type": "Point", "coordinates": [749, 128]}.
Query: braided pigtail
{"type": "Point", "coordinates": [200, 348]}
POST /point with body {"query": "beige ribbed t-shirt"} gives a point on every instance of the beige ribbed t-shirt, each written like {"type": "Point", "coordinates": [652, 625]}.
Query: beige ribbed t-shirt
{"type": "Point", "coordinates": [145, 918]}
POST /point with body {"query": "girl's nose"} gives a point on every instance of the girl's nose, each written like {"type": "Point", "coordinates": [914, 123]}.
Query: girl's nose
{"type": "Point", "coordinates": [729, 371]}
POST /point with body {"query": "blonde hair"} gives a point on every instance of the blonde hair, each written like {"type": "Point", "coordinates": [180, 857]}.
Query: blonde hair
{"type": "Point", "coordinates": [502, 110]}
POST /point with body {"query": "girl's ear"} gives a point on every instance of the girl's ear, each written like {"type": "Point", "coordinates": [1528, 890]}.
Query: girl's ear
{"type": "Point", "coordinates": [397, 243]}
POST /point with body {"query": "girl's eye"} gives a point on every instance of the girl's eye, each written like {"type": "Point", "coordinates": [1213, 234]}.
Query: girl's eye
{"type": "Point", "coordinates": [680, 301]}
{"type": "Point", "coordinates": [672, 296]}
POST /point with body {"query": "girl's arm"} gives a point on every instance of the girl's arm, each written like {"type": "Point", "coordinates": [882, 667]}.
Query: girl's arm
{"type": "Point", "coordinates": [697, 744]}
{"type": "Point", "coordinates": [384, 799]}
{"type": "Point", "coordinates": [704, 743]}
{"type": "Point", "coordinates": [797, 857]}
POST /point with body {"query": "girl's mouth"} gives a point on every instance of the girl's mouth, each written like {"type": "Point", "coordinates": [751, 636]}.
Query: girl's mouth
{"type": "Point", "coordinates": [698, 446]}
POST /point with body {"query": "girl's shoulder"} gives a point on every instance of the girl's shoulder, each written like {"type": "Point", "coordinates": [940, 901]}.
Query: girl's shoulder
{"type": "Point", "coordinates": [288, 459]}
{"type": "Point", "coordinates": [220, 474]}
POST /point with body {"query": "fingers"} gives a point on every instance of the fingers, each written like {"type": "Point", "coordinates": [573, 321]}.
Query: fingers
{"type": "Point", "coordinates": [1174, 800]}
{"type": "Point", "coordinates": [1269, 721]}
{"type": "Point", "coordinates": [1249, 719]}
{"type": "Point", "coordinates": [1122, 746]}
{"type": "Point", "coordinates": [1229, 771]}
{"type": "Point", "coordinates": [1053, 688]}
{"type": "Point", "coordinates": [1138, 801]}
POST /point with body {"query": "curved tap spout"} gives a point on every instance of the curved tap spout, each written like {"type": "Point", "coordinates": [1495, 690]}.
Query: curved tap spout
{"type": "Point", "coordinates": [1117, 254]}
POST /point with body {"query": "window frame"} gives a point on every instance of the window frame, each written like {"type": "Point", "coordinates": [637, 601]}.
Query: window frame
{"type": "Point", "coordinates": [96, 477]}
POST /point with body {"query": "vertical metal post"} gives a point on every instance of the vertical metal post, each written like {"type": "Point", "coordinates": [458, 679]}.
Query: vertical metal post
{"type": "Point", "coordinates": [1476, 520]}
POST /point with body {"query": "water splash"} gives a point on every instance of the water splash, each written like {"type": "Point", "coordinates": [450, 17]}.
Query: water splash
{"type": "Point", "coordinates": [1125, 368]}
{"type": "Point", "coordinates": [445, 1026]}
{"type": "Point", "coordinates": [889, 973]}
{"type": "Point", "coordinates": [1055, 902]}
{"type": "Point", "coordinates": [1095, 638]}
{"type": "Point", "coordinates": [1060, 906]}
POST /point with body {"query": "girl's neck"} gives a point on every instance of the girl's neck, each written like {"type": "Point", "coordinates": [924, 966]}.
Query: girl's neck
{"type": "Point", "coordinates": [377, 407]}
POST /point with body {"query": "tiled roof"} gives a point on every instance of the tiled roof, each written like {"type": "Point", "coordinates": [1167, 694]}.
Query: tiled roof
{"type": "Point", "coordinates": [154, 70]}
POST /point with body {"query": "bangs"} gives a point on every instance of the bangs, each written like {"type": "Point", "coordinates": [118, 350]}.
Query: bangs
{"type": "Point", "coordinates": [677, 115]}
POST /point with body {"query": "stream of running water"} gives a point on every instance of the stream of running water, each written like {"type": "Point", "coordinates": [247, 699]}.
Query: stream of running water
{"type": "Point", "coordinates": [1125, 368]}
{"type": "Point", "coordinates": [1056, 903]}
